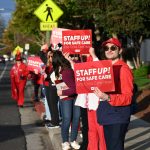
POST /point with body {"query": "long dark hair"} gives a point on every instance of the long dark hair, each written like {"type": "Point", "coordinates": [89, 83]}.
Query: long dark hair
{"type": "Point", "coordinates": [59, 61]}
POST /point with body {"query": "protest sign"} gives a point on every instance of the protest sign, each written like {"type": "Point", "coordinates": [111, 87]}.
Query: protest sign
{"type": "Point", "coordinates": [56, 36]}
{"type": "Point", "coordinates": [77, 41]}
{"type": "Point", "coordinates": [89, 75]}
{"type": "Point", "coordinates": [34, 62]}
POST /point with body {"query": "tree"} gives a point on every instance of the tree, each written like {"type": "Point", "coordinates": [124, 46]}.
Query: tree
{"type": "Point", "coordinates": [24, 26]}
{"type": "Point", "coordinates": [123, 18]}
{"type": "Point", "coordinates": [129, 18]}
{"type": "Point", "coordinates": [26, 22]}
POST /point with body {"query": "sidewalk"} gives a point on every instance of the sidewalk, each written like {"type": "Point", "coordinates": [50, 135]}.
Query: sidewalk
{"type": "Point", "coordinates": [137, 138]}
{"type": "Point", "coordinates": [54, 133]}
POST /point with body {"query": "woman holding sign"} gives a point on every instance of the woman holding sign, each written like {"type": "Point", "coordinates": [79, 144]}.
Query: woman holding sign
{"type": "Point", "coordinates": [114, 108]}
{"type": "Point", "coordinates": [66, 90]}
{"type": "Point", "coordinates": [51, 93]}
{"type": "Point", "coordinates": [93, 136]}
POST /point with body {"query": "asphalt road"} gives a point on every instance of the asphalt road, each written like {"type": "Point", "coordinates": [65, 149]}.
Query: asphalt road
{"type": "Point", "coordinates": [18, 126]}
{"type": "Point", "coordinates": [10, 129]}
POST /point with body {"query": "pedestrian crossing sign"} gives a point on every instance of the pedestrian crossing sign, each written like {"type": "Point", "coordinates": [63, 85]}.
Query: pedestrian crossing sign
{"type": "Point", "coordinates": [48, 11]}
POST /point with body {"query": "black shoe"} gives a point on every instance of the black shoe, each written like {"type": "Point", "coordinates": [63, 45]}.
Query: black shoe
{"type": "Point", "coordinates": [51, 126]}
{"type": "Point", "coordinates": [46, 121]}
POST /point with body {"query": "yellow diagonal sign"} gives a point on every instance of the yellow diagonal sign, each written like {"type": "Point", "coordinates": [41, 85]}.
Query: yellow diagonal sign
{"type": "Point", "coordinates": [48, 11]}
{"type": "Point", "coordinates": [18, 48]}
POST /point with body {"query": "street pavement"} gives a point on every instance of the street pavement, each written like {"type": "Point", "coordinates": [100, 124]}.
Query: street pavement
{"type": "Point", "coordinates": [137, 138]}
{"type": "Point", "coordinates": [19, 127]}
{"type": "Point", "coordinates": [36, 135]}
{"type": "Point", "coordinates": [11, 133]}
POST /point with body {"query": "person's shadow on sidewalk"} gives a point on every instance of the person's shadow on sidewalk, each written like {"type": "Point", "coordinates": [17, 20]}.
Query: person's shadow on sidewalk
{"type": "Point", "coordinates": [138, 136]}
{"type": "Point", "coordinates": [143, 109]}
{"type": "Point", "coordinates": [142, 145]}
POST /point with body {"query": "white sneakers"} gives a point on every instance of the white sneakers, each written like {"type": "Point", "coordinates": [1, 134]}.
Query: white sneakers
{"type": "Point", "coordinates": [65, 146]}
{"type": "Point", "coordinates": [74, 145]}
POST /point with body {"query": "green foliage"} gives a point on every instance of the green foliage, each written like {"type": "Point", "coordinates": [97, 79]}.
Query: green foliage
{"type": "Point", "coordinates": [24, 18]}
{"type": "Point", "coordinates": [34, 49]}
{"type": "Point", "coordinates": [142, 71]}
{"type": "Point", "coordinates": [114, 16]}
{"type": "Point", "coordinates": [120, 16]}
{"type": "Point", "coordinates": [142, 82]}
{"type": "Point", "coordinates": [141, 76]}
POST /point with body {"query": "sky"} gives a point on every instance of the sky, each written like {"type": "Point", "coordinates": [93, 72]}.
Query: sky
{"type": "Point", "coordinates": [6, 8]}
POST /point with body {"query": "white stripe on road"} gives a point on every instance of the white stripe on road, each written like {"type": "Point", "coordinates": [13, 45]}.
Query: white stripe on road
{"type": "Point", "coordinates": [2, 74]}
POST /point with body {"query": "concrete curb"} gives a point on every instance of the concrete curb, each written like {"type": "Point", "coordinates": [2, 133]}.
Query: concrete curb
{"type": "Point", "coordinates": [55, 137]}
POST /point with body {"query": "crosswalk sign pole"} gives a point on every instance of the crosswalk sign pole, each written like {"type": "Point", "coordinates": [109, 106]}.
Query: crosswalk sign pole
{"type": "Point", "coordinates": [48, 34]}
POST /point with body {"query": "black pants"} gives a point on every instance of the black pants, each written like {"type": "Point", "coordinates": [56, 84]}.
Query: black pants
{"type": "Point", "coordinates": [115, 136]}
{"type": "Point", "coordinates": [52, 99]}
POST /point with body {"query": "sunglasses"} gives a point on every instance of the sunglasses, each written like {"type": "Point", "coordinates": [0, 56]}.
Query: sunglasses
{"type": "Point", "coordinates": [112, 48]}
{"type": "Point", "coordinates": [50, 56]}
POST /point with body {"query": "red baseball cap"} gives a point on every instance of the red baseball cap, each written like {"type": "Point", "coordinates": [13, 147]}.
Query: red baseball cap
{"type": "Point", "coordinates": [113, 41]}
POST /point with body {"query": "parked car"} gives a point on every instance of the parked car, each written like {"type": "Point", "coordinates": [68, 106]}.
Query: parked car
{"type": "Point", "coordinates": [2, 59]}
